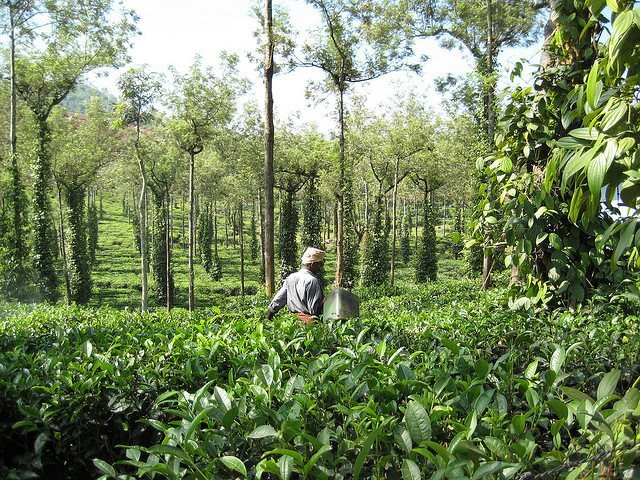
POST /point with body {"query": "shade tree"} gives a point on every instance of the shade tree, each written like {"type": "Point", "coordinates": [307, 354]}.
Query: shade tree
{"type": "Point", "coordinates": [202, 104]}
{"type": "Point", "coordinates": [82, 37]}
{"type": "Point", "coordinates": [80, 147]}
{"type": "Point", "coordinates": [140, 90]}
{"type": "Point", "coordinates": [348, 50]}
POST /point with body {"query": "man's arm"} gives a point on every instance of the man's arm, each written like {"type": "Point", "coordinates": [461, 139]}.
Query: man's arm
{"type": "Point", "coordinates": [279, 301]}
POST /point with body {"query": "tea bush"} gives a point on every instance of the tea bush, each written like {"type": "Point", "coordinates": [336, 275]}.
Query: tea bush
{"type": "Point", "coordinates": [438, 382]}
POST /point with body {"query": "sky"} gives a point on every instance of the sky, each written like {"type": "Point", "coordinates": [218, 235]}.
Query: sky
{"type": "Point", "coordinates": [173, 33]}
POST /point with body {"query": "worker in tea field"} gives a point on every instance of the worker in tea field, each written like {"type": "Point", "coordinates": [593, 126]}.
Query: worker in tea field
{"type": "Point", "coordinates": [302, 290]}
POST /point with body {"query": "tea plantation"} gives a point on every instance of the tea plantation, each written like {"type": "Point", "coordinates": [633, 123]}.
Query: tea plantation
{"type": "Point", "coordinates": [440, 382]}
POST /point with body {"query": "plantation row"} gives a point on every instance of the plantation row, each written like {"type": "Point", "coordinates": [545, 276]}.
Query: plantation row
{"type": "Point", "coordinates": [456, 386]}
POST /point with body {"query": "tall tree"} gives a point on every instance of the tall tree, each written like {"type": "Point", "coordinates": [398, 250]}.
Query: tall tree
{"type": "Point", "coordinates": [203, 104]}
{"type": "Point", "coordinates": [349, 50]}
{"type": "Point", "coordinates": [269, 137]}
{"type": "Point", "coordinates": [139, 89]}
{"type": "Point", "coordinates": [276, 44]}
{"type": "Point", "coordinates": [19, 15]}
{"type": "Point", "coordinates": [81, 37]}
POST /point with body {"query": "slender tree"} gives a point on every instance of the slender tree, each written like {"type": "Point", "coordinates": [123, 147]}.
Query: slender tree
{"type": "Point", "coordinates": [336, 53]}
{"type": "Point", "coordinates": [269, 138]}
{"type": "Point", "coordinates": [203, 104]}
{"type": "Point", "coordinates": [139, 89]}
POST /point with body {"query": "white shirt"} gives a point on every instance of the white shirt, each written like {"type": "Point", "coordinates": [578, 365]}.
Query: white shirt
{"type": "Point", "coordinates": [301, 292]}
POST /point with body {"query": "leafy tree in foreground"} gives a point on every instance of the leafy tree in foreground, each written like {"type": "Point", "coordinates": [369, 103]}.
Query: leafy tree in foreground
{"type": "Point", "coordinates": [559, 170]}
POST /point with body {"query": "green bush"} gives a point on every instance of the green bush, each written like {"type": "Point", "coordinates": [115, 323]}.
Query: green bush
{"type": "Point", "coordinates": [441, 381]}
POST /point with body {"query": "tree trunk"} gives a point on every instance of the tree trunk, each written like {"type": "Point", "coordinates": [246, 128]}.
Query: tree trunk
{"type": "Point", "coordinates": [417, 222]}
{"type": "Point", "coordinates": [241, 237]}
{"type": "Point", "coordinates": [78, 261]}
{"type": "Point", "coordinates": [183, 236]}
{"type": "Point", "coordinates": [394, 217]}
{"type": "Point", "coordinates": [192, 226]}
{"type": "Point", "coordinates": [63, 249]}
{"type": "Point", "coordinates": [168, 251]}
{"type": "Point", "coordinates": [486, 269]}
{"type": "Point", "coordinates": [44, 244]}
{"type": "Point", "coordinates": [142, 219]}
{"type": "Point", "coordinates": [268, 246]}
{"type": "Point", "coordinates": [262, 232]}
{"type": "Point", "coordinates": [340, 196]}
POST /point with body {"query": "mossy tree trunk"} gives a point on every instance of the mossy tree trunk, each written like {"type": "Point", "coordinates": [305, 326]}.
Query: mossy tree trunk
{"type": "Point", "coordinates": [44, 244]}
{"type": "Point", "coordinates": [78, 262]}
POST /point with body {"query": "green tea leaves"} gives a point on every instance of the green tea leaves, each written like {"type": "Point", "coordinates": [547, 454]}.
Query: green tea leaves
{"type": "Point", "coordinates": [418, 422]}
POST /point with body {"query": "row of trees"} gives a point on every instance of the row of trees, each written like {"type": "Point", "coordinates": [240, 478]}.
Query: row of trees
{"type": "Point", "coordinates": [203, 122]}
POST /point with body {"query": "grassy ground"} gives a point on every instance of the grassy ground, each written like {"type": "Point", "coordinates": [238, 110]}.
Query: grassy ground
{"type": "Point", "coordinates": [116, 276]}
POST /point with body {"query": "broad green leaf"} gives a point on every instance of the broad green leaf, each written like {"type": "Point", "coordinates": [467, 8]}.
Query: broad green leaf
{"type": "Point", "coordinates": [592, 82]}
{"type": "Point", "coordinates": [585, 133]}
{"type": "Point", "coordinates": [410, 470]}
{"type": "Point", "coordinates": [531, 370]}
{"type": "Point", "coordinates": [402, 438]}
{"type": "Point", "coordinates": [488, 469]}
{"type": "Point", "coordinates": [285, 464]}
{"type": "Point", "coordinates": [571, 143]}
{"type": "Point", "coordinates": [626, 237]}
{"type": "Point", "coordinates": [263, 431]}
{"type": "Point", "coordinates": [195, 423]}
{"type": "Point", "coordinates": [87, 348]}
{"type": "Point", "coordinates": [596, 171]}
{"type": "Point", "coordinates": [616, 111]}
{"type": "Point", "coordinates": [298, 457]}
{"type": "Point", "coordinates": [558, 407]}
{"type": "Point", "coordinates": [222, 397]}
{"type": "Point", "coordinates": [450, 345]}
{"type": "Point", "coordinates": [439, 449]}
{"type": "Point", "coordinates": [234, 463]}
{"type": "Point", "coordinates": [555, 241]}
{"type": "Point", "coordinates": [362, 454]}
{"type": "Point", "coordinates": [613, 5]}
{"type": "Point", "coordinates": [607, 385]}
{"type": "Point", "coordinates": [575, 394]}
{"type": "Point", "coordinates": [315, 457]}
{"type": "Point", "coordinates": [104, 467]}
{"type": "Point", "coordinates": [266, 375]}
{"type": "Point", "coordinates": [557, 359]}
{"type": "Point", "coordinates": [418, 422]}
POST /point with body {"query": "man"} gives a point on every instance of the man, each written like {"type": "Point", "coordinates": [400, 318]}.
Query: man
{"type": "Point", "coordinates": [302, 290]}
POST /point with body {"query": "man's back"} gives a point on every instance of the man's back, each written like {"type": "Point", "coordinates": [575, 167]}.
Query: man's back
{"type": "Point", "coordinates": [301, 292]}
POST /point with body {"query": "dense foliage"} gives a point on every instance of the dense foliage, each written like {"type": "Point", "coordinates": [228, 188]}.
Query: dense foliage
{"type": "Point", "coordinates": [563, 190]}
{"type": "Point", "coordinates": [456, 386]}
